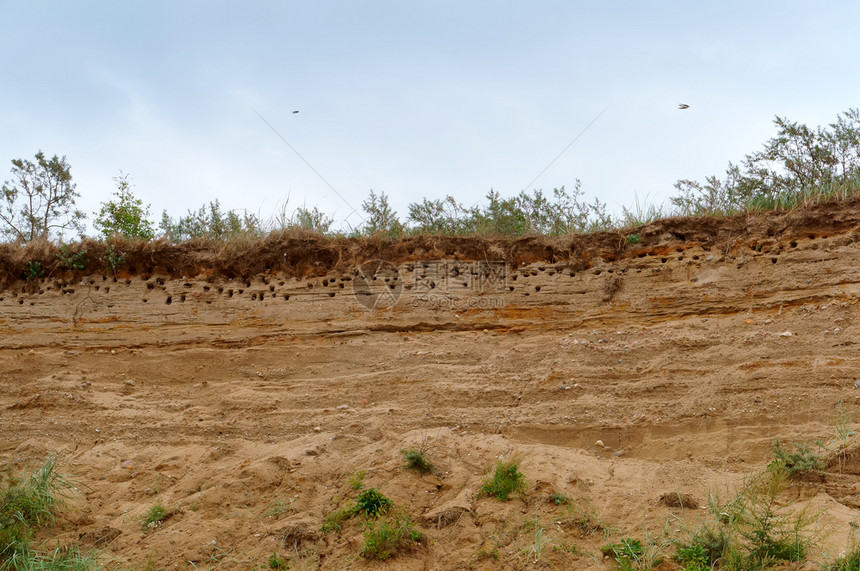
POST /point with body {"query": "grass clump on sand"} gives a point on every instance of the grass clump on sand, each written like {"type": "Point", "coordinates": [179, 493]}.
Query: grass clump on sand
{"type": "Point", "coordinates": [370, 503]}
{"type": "Point", "coordinates": [755, 529]}
{"type": "Point", "coordinates": [416, 459]}
{"type": "Point", "coordinates": [385, 536]}
{"type": "Point", "coordinates": [29, 502]}
{"type": "Point", "coordinates": [506, 479]}
{"type": "Point", "coordinates": [154, 516]}
{"type": "Point", "coordinates": [799, 461]}
{"type": "Point", "coordinates": [626, 553]}
{"type": "Point", "coordinates": [386, 530]}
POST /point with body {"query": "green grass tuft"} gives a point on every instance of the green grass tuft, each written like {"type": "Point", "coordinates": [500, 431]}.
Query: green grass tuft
{"type": "Point", "coordinates": [799, 461]}
{"type": "Point", "coordinates": [417, 460]}
{"type": "Point", "coordinates": [277, 562]}
{"type": "Point", "coordinates": [154, 517]}
{"type": "Point", "coordinates": [505, 480]}
{"type": "Point", "coordinates": [335, 520]}
{"type": "Point", "coordinates": [356, 481]}
{"type": "Point", "coordinates": [385, 537]}
{"type": "Point", "coordinates": [29, 502]}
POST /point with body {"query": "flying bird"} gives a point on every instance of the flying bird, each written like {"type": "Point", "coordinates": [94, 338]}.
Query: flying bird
{"type": "Point", "coordinates": [683, 106]}
{"type": "Point", "coordinates": [295, 112]}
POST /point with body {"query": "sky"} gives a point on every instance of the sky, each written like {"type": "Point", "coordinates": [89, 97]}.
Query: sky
{"type": "Point", "coordinates": [195, 100]}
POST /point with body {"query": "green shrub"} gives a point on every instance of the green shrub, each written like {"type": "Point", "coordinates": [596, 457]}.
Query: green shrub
{"type": "Point", "coordinates": [372, 503]}
{"type": "Point", "coordinates": [798, 166]}
{"type": "Point", "coordinates": [277, 562]}
{"type": "Point", "coordinates": [334, 521]}
{"type": "Point", "coordinates": [505, 480]}
{"type": "Point", "coordinates": [34, 271]}
{"type": "Point", "coordinates": [627, 550]}
{"type": "Point", "coordinates": [386, 536]}
{"type": "Point", "coordinates": [381, 219]}
{"type": "Point", "coordinates": [693, 557]}
{"type": "Point", "coordinates": [564, 212]}
{"type": "Point", "coordinates": [125, 215]}
{"type": "Point", "coordinates": [210, 222]}
{"type": "Point", "coordinates": [113, 258]}
{"type": "Point", "coordinates": [310, 219]}
{"type": "Point", "coordinates": [73, 261]}
{"type": "Point", "coordinates": [356, 481]}
{"type": "Point", "coordinates": [801, 460]}
{"type": "Point", "coordinates": [417, 460]}
{"type": "Point", "coordinates": [154, 517]}
{"type": "Point", "coordinates": [754, 530]}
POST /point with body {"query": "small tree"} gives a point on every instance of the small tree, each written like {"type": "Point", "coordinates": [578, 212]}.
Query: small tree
{"type": "Point", "coordinates": [39, 200]}
{"type": "Point", "coordinates": [798, 163]}
{"type": "Point", "coordinates": [212, 224]}
{"type": "Point", "coordinates": [381, 218]}
{"type": "Point", "coordinates": [125, 216]}
{"type": "Point", "coordinates": [312, 219]}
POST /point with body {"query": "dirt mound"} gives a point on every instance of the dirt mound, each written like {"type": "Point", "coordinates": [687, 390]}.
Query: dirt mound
{"type": "Point", "coordinates": [255, 390]}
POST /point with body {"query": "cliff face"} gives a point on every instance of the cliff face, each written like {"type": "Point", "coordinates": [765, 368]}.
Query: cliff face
{"type": "Point", "coordinates": [244, 399]}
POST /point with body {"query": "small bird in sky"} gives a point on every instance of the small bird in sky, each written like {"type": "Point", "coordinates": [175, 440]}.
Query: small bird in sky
{"type": "Point", "coordinates": [683, 106]}
{"type": "Point", "coordinates": [295, 112]}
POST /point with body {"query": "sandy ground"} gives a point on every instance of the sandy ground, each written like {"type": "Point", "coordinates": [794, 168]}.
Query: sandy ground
{"type": "Point", "coordinates": [244, 406]}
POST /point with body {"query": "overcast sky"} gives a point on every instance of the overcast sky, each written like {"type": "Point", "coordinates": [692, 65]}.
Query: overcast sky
{"type": "Point", "coordinates": [414, 99]}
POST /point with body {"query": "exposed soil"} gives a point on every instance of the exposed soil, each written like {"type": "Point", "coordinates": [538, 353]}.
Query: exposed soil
{"type": "Point", "coordinates": [242, 396]}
